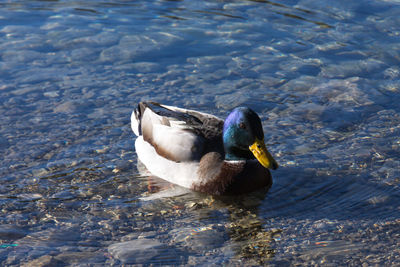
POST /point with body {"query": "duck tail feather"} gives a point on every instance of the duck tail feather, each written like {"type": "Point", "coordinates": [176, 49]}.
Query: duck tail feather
{"type": "Point", "coordinates": [136, 119]}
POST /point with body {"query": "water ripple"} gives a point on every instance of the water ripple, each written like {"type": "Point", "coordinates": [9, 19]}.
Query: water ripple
{"type": "Point", "coordinates": [322, 75]}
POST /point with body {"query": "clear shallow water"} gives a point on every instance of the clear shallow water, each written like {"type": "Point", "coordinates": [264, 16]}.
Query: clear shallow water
{"type": "Point", "coordinates": [324, 77]}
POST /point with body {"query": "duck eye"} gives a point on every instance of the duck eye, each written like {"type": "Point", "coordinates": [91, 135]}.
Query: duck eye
{"type": "Point", "coordinates": [242, 125]}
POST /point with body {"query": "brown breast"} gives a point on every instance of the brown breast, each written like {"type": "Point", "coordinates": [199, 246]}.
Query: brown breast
{"type": "Point", "coordinates": [218, 177]}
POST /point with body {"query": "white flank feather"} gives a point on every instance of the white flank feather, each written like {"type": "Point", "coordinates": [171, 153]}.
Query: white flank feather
{"type": "Point", "coordinates": [180, 143]}
{"type": "Point", "coordinates": [172, 138]}
{"type": "Point", "coordinates": [180, 173]}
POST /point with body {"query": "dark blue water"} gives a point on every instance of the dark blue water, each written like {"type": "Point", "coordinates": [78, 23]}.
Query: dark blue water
{"type": "Point", "coordinates": [323, 75]}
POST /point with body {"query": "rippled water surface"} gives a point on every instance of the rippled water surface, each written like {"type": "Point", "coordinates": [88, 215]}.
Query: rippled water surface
{"type": "Point", "coordinates": [323, 75]}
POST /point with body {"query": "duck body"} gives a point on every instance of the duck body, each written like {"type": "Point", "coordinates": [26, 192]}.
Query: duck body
{"type": "Point", "coordinates": [202, 152]}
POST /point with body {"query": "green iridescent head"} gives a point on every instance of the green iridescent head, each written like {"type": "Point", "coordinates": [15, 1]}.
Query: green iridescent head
{"type": "Point", "coordinates": [243, 138]}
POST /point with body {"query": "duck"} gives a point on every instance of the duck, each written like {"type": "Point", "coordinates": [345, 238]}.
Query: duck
{"type": "Point", "coordinates": [202, 152]}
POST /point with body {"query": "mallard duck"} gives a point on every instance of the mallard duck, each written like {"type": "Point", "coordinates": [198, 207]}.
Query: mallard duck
{"type": "Point", "coordinates": [202, 152]}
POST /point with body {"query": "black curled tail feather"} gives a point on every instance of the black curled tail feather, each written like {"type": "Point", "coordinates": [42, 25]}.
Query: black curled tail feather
{"type": "Point", "coordinates": [136, 119]}
{"type": "Point", "coordinates": [139, 113]}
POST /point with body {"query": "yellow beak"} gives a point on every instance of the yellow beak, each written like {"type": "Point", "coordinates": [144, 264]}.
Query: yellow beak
{"type": "Point", "coordinates": [261, 153]}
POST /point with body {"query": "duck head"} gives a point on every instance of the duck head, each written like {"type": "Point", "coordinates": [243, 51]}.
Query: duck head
{"type": "Point", "coordinates": [243, 138]}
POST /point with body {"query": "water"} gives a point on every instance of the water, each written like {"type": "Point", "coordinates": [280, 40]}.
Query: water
{"type": "Point", "coordinates": [323, 75]}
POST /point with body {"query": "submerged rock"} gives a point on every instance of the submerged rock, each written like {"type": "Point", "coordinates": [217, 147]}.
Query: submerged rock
{"type": "Point", "coordinates": [9, 232]}
{"type": "Point", "coordinates": [137, 251]}
{"type": "Point", "coordinates": [44, 261]}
